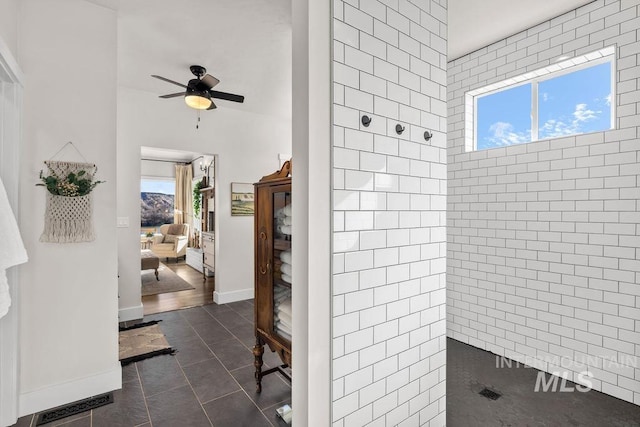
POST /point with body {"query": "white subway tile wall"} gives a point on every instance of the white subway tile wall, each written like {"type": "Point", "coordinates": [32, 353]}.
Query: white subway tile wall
{"type": "Point", "coordinates": [389, 192]}
{"type": "Point", "coordinates": [543, 259]}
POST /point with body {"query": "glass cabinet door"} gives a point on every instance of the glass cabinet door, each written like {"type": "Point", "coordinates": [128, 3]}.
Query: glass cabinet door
{"type": "Point", "coordinates": [281, 263]}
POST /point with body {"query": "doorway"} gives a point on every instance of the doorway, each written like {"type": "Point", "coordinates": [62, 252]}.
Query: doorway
{"type": "Point", "coordinates": [177, 187]}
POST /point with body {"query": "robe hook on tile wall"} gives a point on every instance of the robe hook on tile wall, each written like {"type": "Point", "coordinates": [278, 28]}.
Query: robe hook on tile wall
{"type": "Point", "coordinates": [399, 129]}
{"type": "Point", "coordinates": [427, 135]}
{"type": "Point", "coordinates": [366, 121]}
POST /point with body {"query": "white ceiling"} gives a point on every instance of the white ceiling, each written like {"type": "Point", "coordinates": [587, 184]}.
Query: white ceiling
{"type": "Point", "coordinates": [246, 44]}
{"type": "Point", "coordinates": [241, 41]}
{"type": "Point", "coordinates": [474, 24]}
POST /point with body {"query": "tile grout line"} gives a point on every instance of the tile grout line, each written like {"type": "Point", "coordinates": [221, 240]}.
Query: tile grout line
{"type": "Point", "coordinates": [187, 378]}
{"type": "Point", "coordinates": [215, 356]}
{"type": "Point", "coordinates": [212, 352]}
{"type": "Point", "coordinates": [245, 392]}
{"type": "Point", "coordinates": [144, 395]}
{"type": "Point", "coordinates": [279, 376]}
{"type": "Point", "coordinates": [225, 368]}
{"type": "Point", "coordinates": [223, 365]}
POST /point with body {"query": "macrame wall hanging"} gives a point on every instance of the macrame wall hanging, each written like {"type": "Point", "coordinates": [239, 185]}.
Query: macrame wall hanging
{"type": "Point", "coordinates": [69, 212]}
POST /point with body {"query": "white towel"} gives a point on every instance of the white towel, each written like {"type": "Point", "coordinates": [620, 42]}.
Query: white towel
{"type": "Point", "coordinates": [285, 306]}
{"type": "Point", "coordinates": [285, 256]}
{"type": "Point", "coordinates": [279, 298]}
{"type": "Point", "coordinates": [286, 278]}
{"type": "Point", "coordinates": [286, 220]}
{"type": "Point", "coordinates": [285, 318]}
{"type": "Point", "coordinates": [283, 334]}
{"type": "Point", "coordinates": [12, 250]}
{"type": "Point", "coordinates": [286, 268]}
{"type": "Point", "coordinates": [283, 328]}
{"type": "Point", "coordinates": [285, 229]}
{"type": "Point", "coordinates": [281, 292]}
{"type": "Point", "coordinates": [5, 296]}
{"type": "Point", "coordinates": [287, 210]}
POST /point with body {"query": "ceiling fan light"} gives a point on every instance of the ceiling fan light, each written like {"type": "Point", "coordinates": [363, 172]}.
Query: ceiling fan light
{"type": "Point", "coordinates": [199, 101]}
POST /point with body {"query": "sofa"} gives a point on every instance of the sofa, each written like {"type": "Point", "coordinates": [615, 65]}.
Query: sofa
{"type": "Point", "coordinates": [172, 241]}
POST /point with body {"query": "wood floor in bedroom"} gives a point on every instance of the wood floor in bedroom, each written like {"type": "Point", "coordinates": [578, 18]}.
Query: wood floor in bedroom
{"type": "Point", "coordinates": [201, 295]}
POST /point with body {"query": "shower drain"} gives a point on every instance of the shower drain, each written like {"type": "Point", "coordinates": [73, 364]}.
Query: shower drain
{"type": "Point", "coordinates": [490, 394]}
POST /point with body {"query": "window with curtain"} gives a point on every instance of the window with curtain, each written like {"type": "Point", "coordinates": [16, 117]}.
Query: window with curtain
{"type": "Point", "coordinates": [183, 211]}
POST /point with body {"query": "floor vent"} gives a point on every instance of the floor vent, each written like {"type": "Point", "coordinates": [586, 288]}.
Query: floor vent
{"type": "Point", "coordinates": [74, 408]}
{"type": "Point", "coordinates": [490, 394]}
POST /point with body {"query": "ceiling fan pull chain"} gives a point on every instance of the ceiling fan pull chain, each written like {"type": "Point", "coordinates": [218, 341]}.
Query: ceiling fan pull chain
{"type": "Point", "coordinates": [198, 122]}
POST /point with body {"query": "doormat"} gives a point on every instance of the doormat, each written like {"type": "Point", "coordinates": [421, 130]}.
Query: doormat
{"type": "Point", "coordinates": [142, 341]}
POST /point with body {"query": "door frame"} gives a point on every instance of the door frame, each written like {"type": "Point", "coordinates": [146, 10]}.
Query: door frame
{"type": "Point", "coordinates": [11, 91]}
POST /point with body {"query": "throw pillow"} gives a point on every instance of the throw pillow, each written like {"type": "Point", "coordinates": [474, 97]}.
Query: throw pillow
{"type": "Point", "coordinates": [175, 229]}
{"type": "Point", "coordinates": [170, 238]}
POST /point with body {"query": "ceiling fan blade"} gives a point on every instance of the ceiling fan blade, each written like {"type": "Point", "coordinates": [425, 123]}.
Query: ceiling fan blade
{"type": "Point", "coordinates": [168, 81]}
{"type": "Point", "coordinates": [212, 106]}
{"type": "Point", "coordinates": [226, 96]}
{"type": "Point", "coordinates": [209, 81]}
{"type": "Point", "coordinates": [172, 95]}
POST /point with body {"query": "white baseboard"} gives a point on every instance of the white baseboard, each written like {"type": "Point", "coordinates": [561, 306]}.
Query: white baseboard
{"type": "Point", "coordinates": [130, 313]}
{"type": "Point", "coordinates": [61, 394]}
{"type": "Point", "coordinates": [227, 297]}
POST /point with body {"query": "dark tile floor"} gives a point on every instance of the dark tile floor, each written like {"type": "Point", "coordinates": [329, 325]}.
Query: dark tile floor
{"type": "Point", "coordinates": [208, 382]}
{"type": "Point", "coordinates": [470, 369]}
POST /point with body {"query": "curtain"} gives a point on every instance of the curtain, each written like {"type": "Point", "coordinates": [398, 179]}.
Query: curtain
{"type": "Point", "coordinates": [183, 212]}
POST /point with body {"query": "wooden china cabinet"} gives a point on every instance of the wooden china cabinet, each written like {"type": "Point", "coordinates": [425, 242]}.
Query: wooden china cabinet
{"type": "Point", "coordinates": [273, 270]}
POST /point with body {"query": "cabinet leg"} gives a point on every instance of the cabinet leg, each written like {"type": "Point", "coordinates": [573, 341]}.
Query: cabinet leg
{"type": "Point", "coordinates": [258, 351]}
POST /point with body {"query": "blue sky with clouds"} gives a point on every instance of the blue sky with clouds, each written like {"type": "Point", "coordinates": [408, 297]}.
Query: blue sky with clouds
{"type": "Point", "coordinates": [578, 102]}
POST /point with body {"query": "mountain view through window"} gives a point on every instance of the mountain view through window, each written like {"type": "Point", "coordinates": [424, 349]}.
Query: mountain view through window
{"type": "Point", "coordinates": [156, 203]}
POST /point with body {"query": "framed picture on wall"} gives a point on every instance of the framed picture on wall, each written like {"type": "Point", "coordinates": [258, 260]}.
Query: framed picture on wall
{"type": "Point", "coordinates": [241, 199]}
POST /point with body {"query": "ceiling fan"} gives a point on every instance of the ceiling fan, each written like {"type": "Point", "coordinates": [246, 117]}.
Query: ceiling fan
{"type": "Point", "coordinates": [198, 91]}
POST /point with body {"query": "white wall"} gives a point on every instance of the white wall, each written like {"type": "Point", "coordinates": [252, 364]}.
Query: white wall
{"type": "Point", "coordinates": [247, 146]}
{"type": "Point", "coordinates": [543, 237]}
{"type": "Point", "coordinates": [389, 192]}
{"type": "Point", "coordinates": [311, 192]}
{"type": "Point", "coordinates": [68, 306]}
{"type": "Point", "coordinates": [9, 25]}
